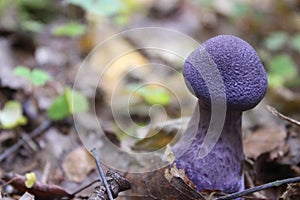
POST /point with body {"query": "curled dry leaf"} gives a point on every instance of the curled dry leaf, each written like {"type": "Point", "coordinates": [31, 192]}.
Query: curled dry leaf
{"type": "Point", "coordinates": [178, 173]}
{"type": "Point", "coordinates": [117, 184]}
{"type": "Point", "coordinates": [292, 192]}
{"type": "Point", "coordinates": [39, 190]}
{"type": "Point", "coordinates": [166, 183]}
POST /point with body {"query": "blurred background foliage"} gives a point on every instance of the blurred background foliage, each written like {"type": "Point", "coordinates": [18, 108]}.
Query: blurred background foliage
{"type": "Point", "coordinates": [272, 26]}
{"type": "Point", "coordinates": [43, 44]}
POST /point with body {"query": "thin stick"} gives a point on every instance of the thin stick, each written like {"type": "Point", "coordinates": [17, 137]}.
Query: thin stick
{"type": "Point", "coordinates": [278, 114]}
{"type": "Point", "coordinates": [251, 184]}
{"type": "Point", "coordinates": [259, 188]}
{"type": "Point", "coordinates": [84, 187]}
{"type": "Point", "coordinates": [96, 156]}
{"type": "Point", "coordinates": [41, 128]}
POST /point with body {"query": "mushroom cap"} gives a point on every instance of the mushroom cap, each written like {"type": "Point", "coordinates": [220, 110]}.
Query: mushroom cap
{"type": "Point", "coordinates": [243, 75]}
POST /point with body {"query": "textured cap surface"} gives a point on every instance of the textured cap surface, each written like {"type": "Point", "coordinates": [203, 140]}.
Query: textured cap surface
{"type": "Point", "coordinates": [243, 75]}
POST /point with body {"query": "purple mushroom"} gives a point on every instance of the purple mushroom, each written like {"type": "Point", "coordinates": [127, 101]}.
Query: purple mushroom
{"type": "Point", "coordinates": [244, 82]}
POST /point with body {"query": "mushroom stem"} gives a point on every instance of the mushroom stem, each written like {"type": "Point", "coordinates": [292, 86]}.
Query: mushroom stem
{"type": "Point", "coordinates": [220, 169]}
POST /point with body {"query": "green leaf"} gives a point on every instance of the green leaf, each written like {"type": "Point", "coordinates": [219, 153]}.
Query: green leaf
{"type": "Point", "coordinates": [152, 94]}
{"type": "Point", "coordinates": [71, 29]}
{"type": "Point", "coordinates": [36, 76]}
{"type": "Point", "coordinates": [32, 25]}
{"type": "Point", "coordinates": [11, 115]}
{"type": "Point", "coordinates": [78, 102]}
{"type": "Point", "coordinates": [157, 96]}
{"type": "Point", "coordinates": [275, 80]}
{"type": "Point", "coordinates": [276, 41]}
{"type": "Point", "coordinates": [101, 7]}
{"type": "Point", "coordinates": [205, 3]}
{"type": "Point", "coordinates": [70, 102]}
{"type": "Point", "coordinates": [240, 9]}
{"type": "Point", "coordinates": [121, 20]}
{"type": "Point", "coordinates": [296, 42]}
{"type": "Point", "coordinates": [30, 179]}
{"type": "Point", "coordinates": [59, 109]}
{"type": "Point", "coordinates": [23, 72]}
{"type": "Point", "coordinates": [283, 65]}
{"type": "Point", "coordinates": [39, 77]}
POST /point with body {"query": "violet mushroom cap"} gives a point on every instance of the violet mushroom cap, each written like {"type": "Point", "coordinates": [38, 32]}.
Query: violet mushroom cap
{"type": "Point", "coordinates": [242, 71]}
{"type": "Point", "coordinates": [245, 84]}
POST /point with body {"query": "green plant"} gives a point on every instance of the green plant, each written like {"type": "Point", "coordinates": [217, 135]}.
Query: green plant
{"type": "Point", "coordinates": [295, 42]}
{"type": "Point", "coordinates": [11, 115]}
{"type": "Point", "coordinates": [118, 10]}
{"type": "Point", "coordinates": [205, 3]}
{"type": "Point", "coordinates": [152, 94]}
{"type": "Point", "coordinates": [240, 9]}
{"type": "Point", "coordinates": [100, 7]}
{"type": "Point", "coordinates": [70, 102]}
{"type": "Point", "coordinates": [30, 179]}
{"type": "Point", "coordinates": [276, 40]}
{"type": "Point", "coordinates": [31, 15]}
{"type": "Point", "coordinates": [71, 29]}
{"type": "Point", "coordinates": [282, 70]}
{"type": "Point", "coordinates": [36, 77]}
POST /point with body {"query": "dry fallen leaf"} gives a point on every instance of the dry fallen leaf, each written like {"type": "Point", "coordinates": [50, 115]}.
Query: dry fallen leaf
{"type": "Point", "coordinates": [39, 190]}
{"type": "Point", "coordinates": [285, 100]}
{"type": "Point", "coordinates": [161, 184]}
{"type": "Point", "coordinates": [292, 192]}
{"type": "Point", "coordinates": [289, 154]}
{"type": "Point", "coordinates": [264, 139]}
{"type": "Point", "coordinates": [78, 164]}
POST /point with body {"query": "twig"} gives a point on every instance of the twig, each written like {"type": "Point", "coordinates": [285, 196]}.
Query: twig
{"type": "Point", "coordinates": [279, 115]}
{"type": "Point", "coordinates": [96, 156]}
{"type": "Point", "coordinates": [84, 187]}
{"type": "Point", "coordinates": [259, 188]}
{"type": "Point", "coordinates": [41, 128]}
{"type": "Point", "coordinates": [46, 172]}
{"type": "Point", "coordinates": [251, 184]}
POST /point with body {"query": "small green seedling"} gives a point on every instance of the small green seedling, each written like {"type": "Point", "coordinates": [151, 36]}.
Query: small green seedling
{"type": "Point", "coordinates": [70, 102]}
{"type": "Point", "coordinates": [36, 77]}
{"type": "Point", "coordinates": [119, 11]}
{"type": "Point", "coordinates": [101, 7]}
{"type": "Point", "coordinates": [276, 41]}
{"type": "Point", "coordinates": [11, 115]}
{"type": "Point", "coordinates": [30, 179]}
{"type": "Point", "coordinates": [295, 42]}
{"type": "Point", "coordinates": [71, 29]}
{"type": "Point", "coordinates": [152, 94]}
{"type": "Point", "coordinates": [281, 70]}
{"type": "Point", "coordinates": [32, 26]}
